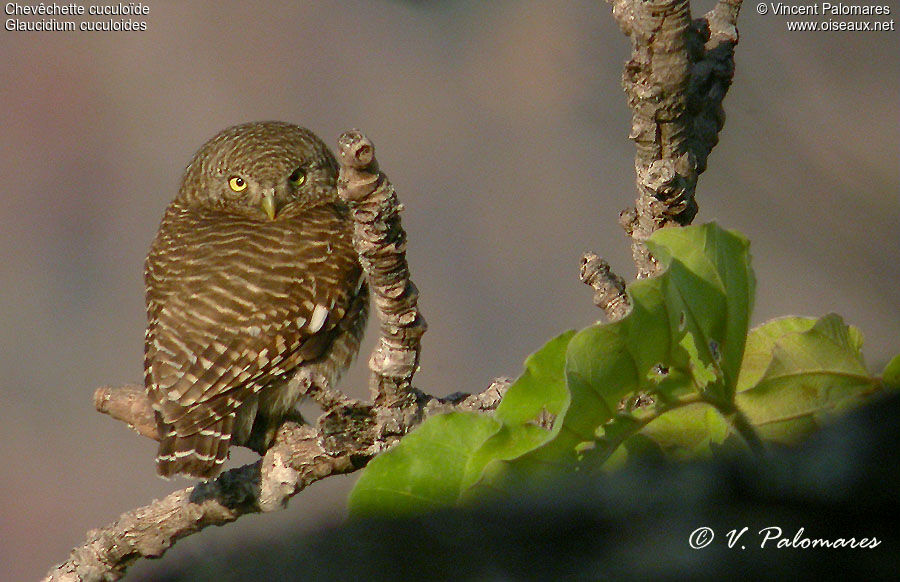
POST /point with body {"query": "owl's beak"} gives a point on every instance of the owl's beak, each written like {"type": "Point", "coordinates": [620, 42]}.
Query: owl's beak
{"type": "Point", "coordinates": [268, 204]}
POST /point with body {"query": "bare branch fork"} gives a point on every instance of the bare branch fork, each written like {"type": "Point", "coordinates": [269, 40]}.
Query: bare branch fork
{"type": "Point", "coordinates": [675, 81]}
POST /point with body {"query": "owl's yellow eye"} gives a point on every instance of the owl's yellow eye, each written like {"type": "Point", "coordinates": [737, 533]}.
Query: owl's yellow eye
{"type": "Point", "coordinates": [237, 184]}
{"type": "Point", "coordinates": [298, 177]}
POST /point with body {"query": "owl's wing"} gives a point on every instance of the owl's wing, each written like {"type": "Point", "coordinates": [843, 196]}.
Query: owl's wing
{"type": "Point", "coordinates": [239, 305]}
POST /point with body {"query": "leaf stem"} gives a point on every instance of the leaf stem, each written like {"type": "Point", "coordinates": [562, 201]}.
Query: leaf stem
{"type": "Point", "coordinates": [743, 427]}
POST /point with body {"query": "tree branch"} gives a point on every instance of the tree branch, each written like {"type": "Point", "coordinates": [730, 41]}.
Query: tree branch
{"type": "Point", "coordinates": [380, 241]}
{"type": "Point", "coordinates": [295, 461]}
{"type": "Point", "coordinates": [609, 288]}
{"type": "Point", "coordinates": [675, 81]}
{"type": "Point", "coordinates": [129, 404]}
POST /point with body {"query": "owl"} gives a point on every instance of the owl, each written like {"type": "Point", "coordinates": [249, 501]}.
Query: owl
{"type": "Point", "coordinates": [252, 282]}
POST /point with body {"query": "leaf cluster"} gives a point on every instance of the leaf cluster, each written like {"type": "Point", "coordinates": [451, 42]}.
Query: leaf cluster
{"type": "Point", "coordinates": [678, 378]}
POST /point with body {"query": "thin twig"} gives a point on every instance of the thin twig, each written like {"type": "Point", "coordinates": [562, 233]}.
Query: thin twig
{"type": "Point", "coordinates": [610, 295]}
{"type": "Point", "coordinates": [129, 404]}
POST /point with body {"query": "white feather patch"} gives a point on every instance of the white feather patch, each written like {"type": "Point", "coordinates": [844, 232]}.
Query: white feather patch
{"type": "Point", "coordinates": [319, 314]}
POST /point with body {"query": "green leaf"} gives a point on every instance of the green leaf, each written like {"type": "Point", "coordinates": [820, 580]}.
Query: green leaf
{"type": "Point", "coordinates": [891, 374]}
{"type": "Point", "coordinates": [690, 432]}
{"type": "Point", "coordinates": [542, 386]}
{"type": "Point", "coordinates": [761, 343]}
{"type": "Point", "coordinates": [710, 288]}
{"type": "Point", "coordinates": [435, 463]}
{"type": "Point", "coordinates": [539, 394]}
{"type": "Point", "coordinates": [425, 470]}
{"type": "Point", "coordinates": [798, 372]}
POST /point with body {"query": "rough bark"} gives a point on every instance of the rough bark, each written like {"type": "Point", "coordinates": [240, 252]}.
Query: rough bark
{"type": "Point", "coordinates": [675, 82]}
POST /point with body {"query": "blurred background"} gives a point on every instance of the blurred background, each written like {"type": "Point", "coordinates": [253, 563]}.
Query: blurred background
{"type": "Point", "coordinates": [503, 127]}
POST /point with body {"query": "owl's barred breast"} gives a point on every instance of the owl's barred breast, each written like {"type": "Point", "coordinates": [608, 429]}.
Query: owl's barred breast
{"type": "Point", "coordinates": [255, 274]}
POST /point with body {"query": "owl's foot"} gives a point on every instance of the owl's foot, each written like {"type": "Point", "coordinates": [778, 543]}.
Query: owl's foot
{"type": "Point", "coordinates": [264, 430]}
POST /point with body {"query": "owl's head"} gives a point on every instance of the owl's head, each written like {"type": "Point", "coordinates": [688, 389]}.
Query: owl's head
{"type": "Point", "coordinates": [260, 170]}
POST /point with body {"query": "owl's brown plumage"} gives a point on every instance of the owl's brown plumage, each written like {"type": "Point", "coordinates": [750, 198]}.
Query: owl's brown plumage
{"type": "Point", "coordinates": [252, 280]}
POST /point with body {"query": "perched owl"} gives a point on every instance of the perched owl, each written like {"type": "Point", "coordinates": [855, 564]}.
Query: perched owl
{"type": "Point", "coordinates": [251, 281]}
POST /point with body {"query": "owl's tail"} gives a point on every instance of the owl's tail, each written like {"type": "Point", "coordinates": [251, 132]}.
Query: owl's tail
{"type": "Point", "coordinates": [195, 452]}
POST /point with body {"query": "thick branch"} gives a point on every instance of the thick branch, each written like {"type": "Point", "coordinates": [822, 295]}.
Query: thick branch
{"type": "Point", "coordinates": [345, 438]}
{"type": "Point", "coordinates": [676, 80]}
{"type": "Point", "coordinates": [380, 241]}
{"type": "Point", "coordinates": [295, 461]}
